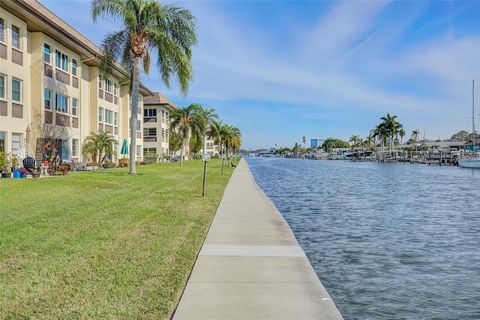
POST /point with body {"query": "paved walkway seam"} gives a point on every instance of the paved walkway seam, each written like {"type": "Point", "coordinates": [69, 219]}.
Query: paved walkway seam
{"type": "Point", "coordinates": [251, 266]}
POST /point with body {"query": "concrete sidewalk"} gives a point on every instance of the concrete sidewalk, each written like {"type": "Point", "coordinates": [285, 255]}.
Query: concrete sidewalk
{"type": "Point", "coordinates": [251, 266]}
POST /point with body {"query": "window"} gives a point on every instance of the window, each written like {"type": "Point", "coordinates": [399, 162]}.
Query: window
{"type": "Point", "coordinates": [139, 150]}
{"type": "Point", "coordinates": [16, 90]}
{"type": "Point", "coordinates": [15, 37]}
{"type": "Point", "coordinates": [3, 81]}
{"type": "Point", "coordinates": [100, 114]}
{"type": "Point", "coordinates": [74, 106]}
{"type": "Point", "coordinates": [47, 99]}
{"type": "Point", "coordinates": [150, 112]}
{"type": "Point", "coordinates": [61, 60]}
{"type": "Point", "coordinates": [2, 30]}
{"type": "Point", "coordinates": [74, 67]}
{"type": "Point", "coordinates": [100, 82]}
{"type": "Point", "coordinates": [46, 53]}
{"type": "Point", "coordinates": [138, 125]}
{"type": "Point", "coordinates": [108, 116]}
{"type": "Point", "coordinates": [16, 144]}
{"type": "Point", "coordinates": [108, 85]}
{"type": "Point", "coordinates": [74, 147]}
{"type": "Point", "coordinates": [61, 103]}
{"type": "Point", "coordinates": [163, 135]}
{"type": "Point", "coordinates": [115, 89]}
{"type": "Point", "coordinates": [115, 119]}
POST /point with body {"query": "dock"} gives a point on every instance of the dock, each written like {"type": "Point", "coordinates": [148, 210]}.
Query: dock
{"type": "Point", "coordinates": [251, 266]}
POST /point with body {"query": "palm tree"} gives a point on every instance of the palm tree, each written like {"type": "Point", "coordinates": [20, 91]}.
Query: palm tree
{"type": "Point", "coordinates": [381, 132]}
{"type": "Point", "coordinates": [415, 135]}
{"type": "Point", "coordinates": [174, 141]}
{"type": "Point", "coordinates": [147, 27]}
{"type": "Point", "coordinates": [215, 132]}
{"type": "Point", "coordinates": [205, 118]}
{"type": "Point", "coordinates": [402, 132]}
{"type": "Point", "coordinates": [184, 123]}
{"type": "Point", "coordinates": [355, 141]}
{"type": "Point", "coordinates": [304, 140]}
{"type": "Point", "coordinates": [231, 139]}
{"type": "Point", "coordinates": [370, 139]}
{"type": "Point", "coordinates": [98, 145]}
{"type": "Point", "coordinates": [391, 126]}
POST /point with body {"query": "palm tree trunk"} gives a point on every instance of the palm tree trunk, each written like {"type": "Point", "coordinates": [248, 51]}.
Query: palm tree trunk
{"type": "Point", "coordinates": [204, 146]}
{"type": "Point", "coordinates": [134, 112]}
{"type": "Point", "coordinates": [182, 148]}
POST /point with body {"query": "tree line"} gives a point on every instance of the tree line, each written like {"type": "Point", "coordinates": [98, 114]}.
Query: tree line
{"type": "Point", "coordinates": [191, 126]}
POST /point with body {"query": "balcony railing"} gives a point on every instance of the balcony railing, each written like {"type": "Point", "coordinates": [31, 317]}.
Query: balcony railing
{"type": "Point", "coordinates": [149, 119]}
{"type": "Point", "coordinates": [150, 139]}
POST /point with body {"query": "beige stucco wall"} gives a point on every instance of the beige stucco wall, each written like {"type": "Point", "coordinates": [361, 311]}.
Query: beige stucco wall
{"type": "Point", "coordinates": [34, 81]}
{"type": "Point", "coordinates": [9, 124]}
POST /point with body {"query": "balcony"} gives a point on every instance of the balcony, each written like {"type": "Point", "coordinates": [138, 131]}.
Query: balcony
{"type": "Point", "coordinates": [149, 119]}
{"type": "Point", "coordinates": [150, 139]}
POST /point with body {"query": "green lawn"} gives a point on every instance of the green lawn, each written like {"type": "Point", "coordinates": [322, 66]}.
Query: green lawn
{"type": "Point", "coordinates": [103, 245]}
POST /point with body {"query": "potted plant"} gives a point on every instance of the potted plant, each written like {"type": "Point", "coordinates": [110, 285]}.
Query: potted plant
{"type": "Point", "coordinates": [123, 163]}
{"type": "Point", "coordinates": [15, 162]}
{"type": "Point", "coordinates": [5, 165]}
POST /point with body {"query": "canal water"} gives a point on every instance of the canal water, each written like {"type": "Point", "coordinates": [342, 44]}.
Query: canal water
{"type": "Point", "coordinates": [388, 241]}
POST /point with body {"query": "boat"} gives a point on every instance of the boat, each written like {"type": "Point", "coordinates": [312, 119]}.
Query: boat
{"type": "Point", "coordinates": [471, 157]}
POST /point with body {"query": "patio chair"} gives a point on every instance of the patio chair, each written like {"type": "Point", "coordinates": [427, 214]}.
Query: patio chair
{"type": "Point", "coordinates": [29, 165]}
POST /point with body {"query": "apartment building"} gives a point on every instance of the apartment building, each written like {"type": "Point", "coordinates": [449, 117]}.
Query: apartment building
{"type": "Point", "coordinates": [156, 123]}
{"type": "Point", "coordinates": [50, 84]}
{"type": "Point", "coordinates": [212, 149]}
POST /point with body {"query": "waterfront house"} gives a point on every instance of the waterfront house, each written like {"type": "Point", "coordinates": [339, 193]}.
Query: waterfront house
{"type": "Point", "coordinates": [444, 145]}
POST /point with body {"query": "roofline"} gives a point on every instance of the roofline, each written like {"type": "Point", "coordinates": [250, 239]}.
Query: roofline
{"type": "Point", "coordinates": [168, 105]}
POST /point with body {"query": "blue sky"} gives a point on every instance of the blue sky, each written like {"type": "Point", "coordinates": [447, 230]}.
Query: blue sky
{"type": "Point", "coordinates": [280, 70]}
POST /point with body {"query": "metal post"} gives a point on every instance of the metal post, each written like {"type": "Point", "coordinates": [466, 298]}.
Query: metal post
{"type": "Point", "coordinates": [204, 177]}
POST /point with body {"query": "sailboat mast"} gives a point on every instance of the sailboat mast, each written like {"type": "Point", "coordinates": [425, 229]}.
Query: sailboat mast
{"type": "Point", "coordinates": [473, 115]}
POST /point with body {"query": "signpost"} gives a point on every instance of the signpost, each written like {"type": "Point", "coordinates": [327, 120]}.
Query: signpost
{"type": "Point", "coordinates": [205, 160]}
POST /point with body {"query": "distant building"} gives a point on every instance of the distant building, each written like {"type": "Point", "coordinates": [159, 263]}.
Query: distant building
{"type": "Point", "coordinates": [316, 143]}
{"type": "Point", "coordinates": [156, 123]}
